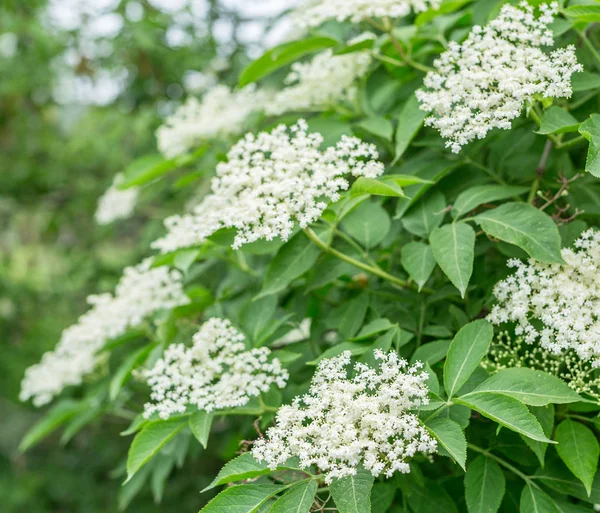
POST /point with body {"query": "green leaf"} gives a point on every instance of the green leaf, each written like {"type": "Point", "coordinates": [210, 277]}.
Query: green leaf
{"type": "Point", "coordinates": [484, 486]}
{"type": "Point", "coordinates": [557, 121]}
{"type": "Point", "coordinates": [294, 258]}
{"type": "Point", "coordinates": [379, 126]}
{"type": "Point", "coordinates": [368, 223]}
{"type": "Point", "coordinates": [426, 215]}
{"type": "Point", "coordinates": [529, 386]}
{"type": "Point", "coordinates": [376, 187]}
{"type": "Point", "coordinates": [200, 424]}
{"type": "Point", "coordinates": [579, 450]}
{"type": "Point", "coordinates": [373, 328]}
{"type": "Point", "coordinates": [535, 500]}
{"type": "Point", "coordinates": [242, 467]}
{"type": "Point", "coordinates": [281, 55]}
{"type": "Point", "coordinates": [545, 416]}
{"type": "Point", "coordinates": [352, 494]}
{"type": "Point", "coordinates": [431, 352]}
{"type": "Point", "coordinates": [242, 498]}
{"type": "Point", "coordinates": [525, 226]}
{"type": "Point", "coordinates": [583, 13]}
{"type": "Point", "coordinates": [507, 412]}
{"type": "Point", "coordinates": [585, 81]}
{"type": "Point", "coordinates": [145, 169]}
{"type": "Point", "coordinates": [558, 477]}
{"type": "Point", "coordinates": [480, 194]}
{"type": "Point", "coordinates": [451, 437]}
{"type": "Point", "coordinates": [453, 248]}
{"type": "Point", "coordinates": [417, 259]}
{"type": "Point", "coordinates": [355, 348]}
{"type": "Point", "coordinates": [467, 349]}
{"type": "Point", "coordinates": [149, 441]}
{"type": "Point", "coordinates": [59, 414]}
{"type": "Point", "coordinates": [349, 316]}
{"type": "Point", "coordinates": [590, 129]}
{"type": "Point", "coordinates": [431, 498]}
{"type": "Point", "coordinates": [410, 122]}
{"type": "Point", "coordinates": [123, 373]}
{"type": "Point", "coordinates": [297, 499]}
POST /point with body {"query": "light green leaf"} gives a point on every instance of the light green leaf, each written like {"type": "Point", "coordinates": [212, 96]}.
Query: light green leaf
{"type": "Point", "coordinates": [297, 499]}
{"type": "Point", "coordinates": [281, 55]}
{"type": "Point", "coordinates": [557, 121]}
{"type": "Point", "coordinates": [583, 13]}
{"type": "Point", "coordinates": [150, 440]}
{"type": "Point", "coordinates": [426, 215]}
{"type": "Point", "coordinates": [507, 412]}
{"type": "Point", "coordinates": [431, 352]}
{"type": "Point", "coordinates": [585, 81]}
{"type": "Point", "coordinates": [579, 450]}
{"type": "Point", "coordinates": [242, 498]}
{"type": "Point", "coordinates": [406, 180]}
{"type": "Point", "coordinates": [379, 126]}
{"type": "Point", "coordinates": [410, 122]}
{"type": "Point", "coordinates": [145, 169]}
{"type": "Point", "coordinates": [123, 373]}
{"type": "Point", "coordinates": [453, 248]}
{"type": "Point", "coordinates": [200, 424]}
{"type": "Point", "coordinates": [529, 386]}
{"type": "Point", "coordinates": [451, 437]}
{"type": "Point", "coordinates": [545, 416]}
{"type": "Point", "coordinates": [484, 486]}
{"type": "Point", "coordinates": [368, 223]}
{"type": "Point", "coordinates": [525, 226]}
{"type": "Point", "coordinates": [355, 348]}
{"type": "Point", "coordinates": [294, 258]}
{"type": "Point", "coordinates": [467, 349]}
{"type": "Point", "coordinates": [352, 494]}
{"type": "Point", "coordinates": [373, 328]}
{"type": "Point", "coordinates": [535, 500]}
{"type": "Point", "coordinates": [417, 259]}
{"type": "Point", "coordinates": [480, 194]}
{"type": "Point", "coordinates": [376, 187]}
{"type": "Point", "coordinates": [590, 129]}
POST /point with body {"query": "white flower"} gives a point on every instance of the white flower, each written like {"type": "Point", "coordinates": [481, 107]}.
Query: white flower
{"type": "Point", "coordinates": [141, 291]}
{"type": "Point", "coordinates": [222, 112]}
{"type": "Point", "coordinates": [344, 422]}
{"type": "Point", "coordinates": [315, 12]}
{"type": "Point", "coordinates": [216, 372]}
{"type": "Point", "coordinates": [320, 83]}
{"type": "Point", "coordinates": [484, 82]}
{"type": "Point", "coordinates": [270, 182]}
{"type": "Point", "coordinates": [557, 305]}
{"type": "Point", "coordinates": [116, 203]}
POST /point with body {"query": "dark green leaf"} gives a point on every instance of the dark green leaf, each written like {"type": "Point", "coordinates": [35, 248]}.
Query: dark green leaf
{"type": "Point", "coordinates": [297, 499]}
{"type": "Point", "coordinates": [410, 121]}
{"type": "Point", "coordinates": [557, 121]}
{"type": "Point", "coordinates": [242, 498]}
{"type": "Point", "coordinates": [451, 437]}
{"type": "Point", "coordinates": [59, 414]}
{"type": "Point", "coordinates": [352, 494]}
{"type": "Point", "coordinates": [480, 194]}
{"type": "Point", "coordinates": [426, 215]}
{"type": "Point", "coordinates": [368, 223]}
{"type": "Point", "coordinates": [484, 486]}
{"type": "Point", "coordinates": [590, 129]}
{"type": "Point", "coordinates": [535, 500]}
{"type": "Point", "coordinates": [200, 423]}
{"type": "Point", "coordinates": [417, 259]}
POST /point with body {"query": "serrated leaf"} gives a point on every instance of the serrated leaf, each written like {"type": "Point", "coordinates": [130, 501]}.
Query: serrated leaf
{"type": "Point", "coordinates": [559, 478]}
{"type": "Point", "coordinates": [467, 349]}
{"type": "Point", "coordinates": [297, 499]}
{"type": "Point", "coordinates": [579, 450]}
{"type": "Point", "coordinates": [242, 498]}
{"type": "Point", "coordinates": [535, 500]}
{"type": "Point", "coordinates": [376, 187]}
{"type": "Point", "coordinates": [417, 259]}
{"type": "Point", "coordinates": [200, 424]}
{"type": "Point", "coordinates": [352, 494]}
{"type": "Point", "coordinates": [524, 226]}
{"type": "Point", "coordinates": [478, 195]}
{"type": "Point", "coordinates": [453, 247]}
{"type": "Point", "coordinates": [557, 121]}
{"type": "Point", "coordinates": [590, 129]}
{"type": "Point", "coordinates": [484, 486]}
{"type": "Point", "coordinates": [451, 437]}
{"type": "Point", "coordinates": [545, 416]}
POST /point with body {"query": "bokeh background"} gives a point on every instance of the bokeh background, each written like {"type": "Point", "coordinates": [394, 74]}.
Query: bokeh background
{"type": "Point", "coordinates": [83, 86]}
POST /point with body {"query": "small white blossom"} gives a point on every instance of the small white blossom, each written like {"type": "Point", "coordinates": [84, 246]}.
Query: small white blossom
{"type": "Point", "coordinates": [269, 182]}
{"type": "Point", "coordinates": [141, 291]}
{"type": "Point", "coordinates": [316, 12]}
{"type": "Point", "coordinates": [556, 304]}
{"type": "Point", "coordinates": [216, 372]}
{"type": "Point", "coordinates": [345, 422]}
{"type": "Point", "coordinates": [222, 112]}
{"type": "Point", "coordinates": [484, 82]}
{"type": "Point", "coordinates": [115, 203]}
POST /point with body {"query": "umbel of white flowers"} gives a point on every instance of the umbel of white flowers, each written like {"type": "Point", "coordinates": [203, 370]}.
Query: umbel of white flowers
{"type": "Point", "coordinates": [344, 422]}
{"type": "Point", "coordinates": [314, 12]}
{"type": "Point", "coordinates": [222, 112]}
{"type": "Point", "coordinates": [141, 291]}
{"type": "Point", "coordinates": [269, 182]}
{"type": "Point", "coordinates": [116, 203]}
{"type": "Point", "coordinates": [556, 304]}
{"type": "Point", "coordinates": [216, 372]}
{"type": "Point", "coordinates": [484, 82]}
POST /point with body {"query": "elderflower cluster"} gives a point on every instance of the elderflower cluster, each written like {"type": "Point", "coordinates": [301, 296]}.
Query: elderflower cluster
{"type": "Point", "coordinates": [222, 112]}
{"type": "Point", "coordinates": [314, 13]}
{"type": "Point", "coordinates": [141, 291]}
{"type": "Point", "coordinates": [344, 422]}
{"type": "Point", "coordinates": [115, 203]}
{"type": "Point", "coordinates": [556, 304]}
{"type": "Point", "coordinates": [216, 372]}
{"type": "Point", "coordinates": [269, 182]}
{"type": "Point", "coordinates": [484, 82]}
{"type": "Point", "coordinates": [316, 85]}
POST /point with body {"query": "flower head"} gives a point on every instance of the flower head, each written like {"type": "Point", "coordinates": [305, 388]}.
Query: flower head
{"type": "Point", "coordinates": [216, 372]}
{"type": "Point", "coordinates": [344, 422]}
{"type": "Point", "coordinates": [116, 203]}
{"type": "Point", "coordinates": [269, 182]}
{"type": "Point", "coordinates": [484, 82]}
{"type": "Point", "coordinates": [141, 291]}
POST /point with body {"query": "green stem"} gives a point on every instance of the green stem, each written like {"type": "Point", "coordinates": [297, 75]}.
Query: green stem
{"type": "Point", "coordinates": [406, 58]}
{"type": "Point", "coordinates": [571, 142]}
{"type": "Point", "coordinates": [504, 463]}
{"type": "Point", "coordinates": [491, 173]}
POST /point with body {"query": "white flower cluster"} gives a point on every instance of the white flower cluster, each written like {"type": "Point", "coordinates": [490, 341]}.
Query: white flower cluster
{"type": "Point", "coordinates": [116, 203]}
{"type": "Point", "coordinates": [222, 112]}
{"type": "Point", "coordinates": [557, 304]}
{"type": "Point", "coordinates": [141, 291]}
{"type": "Point", "coordinates": [320, 83]}
{"type": "Point", "coordinates": [484, 82]}
{"type": "Point", "coordinates": [343, 422]}
{"type": "Point", "coordinates": [270, 181]}
{"type": "Point", "coordinates": [216, 372]}
{"type": "Point", "coordinates": [315, 13]}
